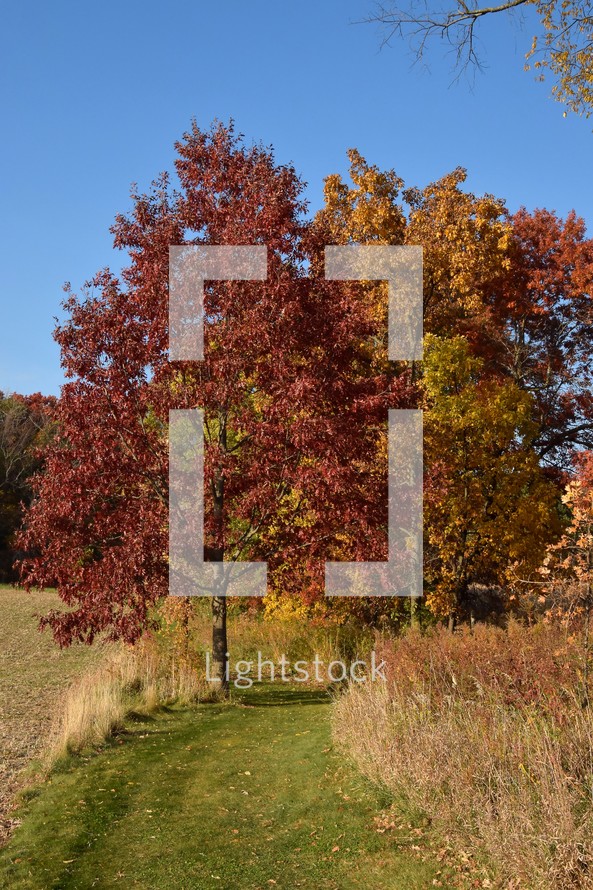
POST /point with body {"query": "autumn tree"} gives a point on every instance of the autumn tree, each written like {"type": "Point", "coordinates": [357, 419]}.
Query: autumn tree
{"type": "Point", "coordinates": [285, 397]}
{"type": "Point", "coordinates": [562, 44]}
{"type": "Point", "coordinates": [515, 289]}
{"type": "Point", "coordinates": [516, 286]}
{"type": "Point", "coordinates": [490, 511]}
{"type": "Point", "coordinates": [540, 327]}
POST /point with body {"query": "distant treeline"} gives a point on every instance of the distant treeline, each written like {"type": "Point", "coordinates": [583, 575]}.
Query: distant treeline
{"type": "Point", "coordinates": [26, 425]}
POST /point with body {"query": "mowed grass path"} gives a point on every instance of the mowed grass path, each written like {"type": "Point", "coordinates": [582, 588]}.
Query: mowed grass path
{"type": "Point", "coordinates": [247, 796]}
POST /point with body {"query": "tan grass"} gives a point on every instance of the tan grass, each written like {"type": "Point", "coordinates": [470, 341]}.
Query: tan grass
{"type": "Point", "coordinates": [135, 679]}
{"type": "Point", "coordinates": [512, 784]}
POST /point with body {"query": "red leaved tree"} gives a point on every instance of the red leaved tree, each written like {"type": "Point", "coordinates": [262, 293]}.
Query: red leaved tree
{"type": "Point", "coordinates": [291, 406]}
{"type": "Point", "coordinates": [541, 322]}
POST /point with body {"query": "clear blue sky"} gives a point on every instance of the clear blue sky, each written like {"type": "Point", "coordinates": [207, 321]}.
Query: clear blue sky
{"type": "Point", "coordinates": [94, 96]}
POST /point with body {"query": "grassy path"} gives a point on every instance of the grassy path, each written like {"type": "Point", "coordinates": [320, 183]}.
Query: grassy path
{"type": "Point", "coordinates": [241, 797]}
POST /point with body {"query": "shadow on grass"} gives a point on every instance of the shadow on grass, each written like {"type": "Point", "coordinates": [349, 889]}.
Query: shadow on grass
{"type": "Point", "coordinates": [140, 717]}
{"type": "Point", "coordinates": [277, 695]}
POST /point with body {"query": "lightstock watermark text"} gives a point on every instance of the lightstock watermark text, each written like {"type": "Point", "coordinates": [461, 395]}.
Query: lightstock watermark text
{"type": "Point", "coordinates": [243, 673]}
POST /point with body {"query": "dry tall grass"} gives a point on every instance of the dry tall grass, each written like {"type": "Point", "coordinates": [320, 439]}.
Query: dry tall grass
{"type": "Point", "coordinates": [137, 679]}
{"type": "Point", "coordinates": [503, 765]}
{"type": "Point", "coordinates": [250, 634]}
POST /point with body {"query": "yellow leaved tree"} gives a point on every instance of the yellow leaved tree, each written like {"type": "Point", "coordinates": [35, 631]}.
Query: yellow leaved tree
{"type": "Point", "coordinates": [490, 511]}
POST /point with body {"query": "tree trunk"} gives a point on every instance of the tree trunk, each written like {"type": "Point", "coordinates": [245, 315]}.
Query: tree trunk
{"type": "Point", "coordinates": [184, 641]}
{"type": "Point", "coordinates": [219, 644]}
{"type": "Point", "coordinates": [219, 606]}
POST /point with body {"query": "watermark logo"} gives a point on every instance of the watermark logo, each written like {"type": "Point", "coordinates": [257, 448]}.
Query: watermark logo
{"type": "Point", "coordinates": [244, 673]}
{"type": "Point", "coordinates": [189, 574]}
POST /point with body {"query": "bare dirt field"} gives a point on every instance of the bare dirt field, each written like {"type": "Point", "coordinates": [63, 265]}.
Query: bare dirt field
{"type": "Point", "coordinates": [34, 674]}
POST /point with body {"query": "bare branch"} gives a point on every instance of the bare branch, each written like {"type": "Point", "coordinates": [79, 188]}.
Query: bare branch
{"type": "Point", "coordinates": [456, 26]}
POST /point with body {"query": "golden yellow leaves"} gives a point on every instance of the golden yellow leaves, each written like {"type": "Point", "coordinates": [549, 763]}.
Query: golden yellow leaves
{"type": "Point", "coordinates": [366, 213]}
{"type": "Point", "coordinates": [491, 509]}
{"type": "Point", "coordinates": [565, 48]}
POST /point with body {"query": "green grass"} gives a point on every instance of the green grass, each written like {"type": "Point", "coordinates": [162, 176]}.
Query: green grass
{"type": "Point", "coordinates": [244, 796]}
